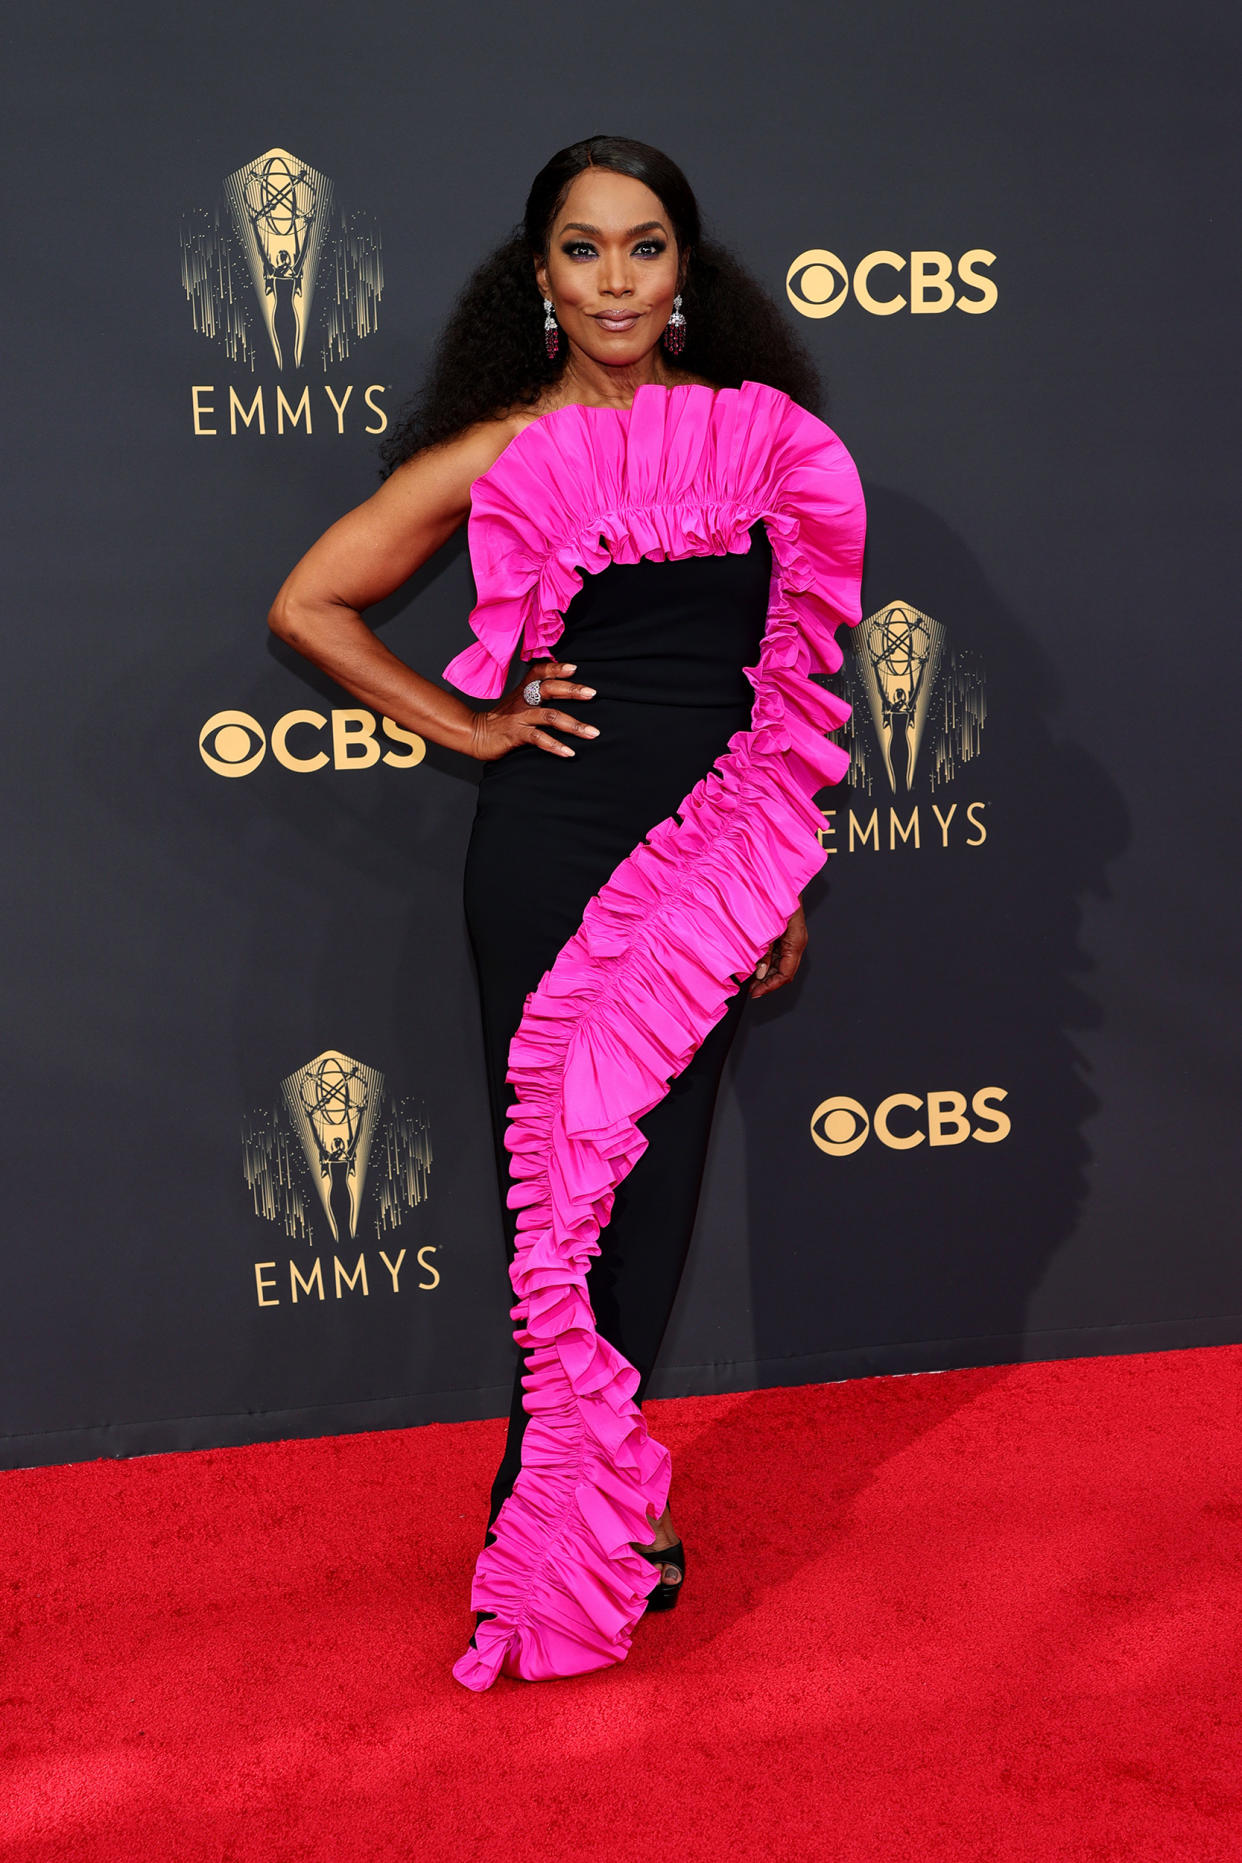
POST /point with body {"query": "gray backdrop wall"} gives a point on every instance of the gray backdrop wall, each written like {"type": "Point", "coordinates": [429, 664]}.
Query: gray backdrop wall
{"type": "Point", "coordinates": [991, 1120]}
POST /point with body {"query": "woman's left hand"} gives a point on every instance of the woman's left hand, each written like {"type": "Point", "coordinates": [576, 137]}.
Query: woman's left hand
{"type": "Point", "coordinates": [774, 971]}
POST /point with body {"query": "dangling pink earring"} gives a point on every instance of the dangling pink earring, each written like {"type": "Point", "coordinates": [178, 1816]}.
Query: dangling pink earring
{"type": "Point", "coordinates": [675, 329]}
{"type": "Point", "coordinates": [551, 335]}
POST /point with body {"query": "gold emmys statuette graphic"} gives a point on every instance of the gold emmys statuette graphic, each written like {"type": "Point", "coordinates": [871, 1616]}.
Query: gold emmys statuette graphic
{"type": "Point", "coordinates": [276, 246]}
{"type": "Point", "coordinates": [309, 1158]}
{"type": "Point", "coordinates": [912, 686]}
{"type": "Point", "coordinates": [332, 1103]}
{"type": "Point", "coordinates": [280, 208]}
{"type": "Point", "coordinates": [919, 707]}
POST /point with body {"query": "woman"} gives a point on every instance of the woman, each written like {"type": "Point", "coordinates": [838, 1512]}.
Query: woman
{"type": "Point", "coordinates": [648, 500]}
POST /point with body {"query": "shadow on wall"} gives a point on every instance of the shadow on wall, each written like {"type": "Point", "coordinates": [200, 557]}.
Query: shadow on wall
{"type": "Point", "coordinates": [946, 968]}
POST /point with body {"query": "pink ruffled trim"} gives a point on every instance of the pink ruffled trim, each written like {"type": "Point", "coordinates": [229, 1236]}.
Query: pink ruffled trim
{"type": "Point", "coordinates": [684, 472]}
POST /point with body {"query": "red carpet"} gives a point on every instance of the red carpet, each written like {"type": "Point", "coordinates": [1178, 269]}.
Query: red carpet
{"type": "Point", "coordinates": [978, 1615]}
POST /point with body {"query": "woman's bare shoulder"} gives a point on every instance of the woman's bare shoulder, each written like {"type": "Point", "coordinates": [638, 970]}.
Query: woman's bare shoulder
{"type": "Point", "coordinates": [447, 470]}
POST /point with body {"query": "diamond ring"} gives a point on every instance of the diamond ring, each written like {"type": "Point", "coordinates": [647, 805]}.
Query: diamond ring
{"type": "Point", "coordinates": [532, 692]}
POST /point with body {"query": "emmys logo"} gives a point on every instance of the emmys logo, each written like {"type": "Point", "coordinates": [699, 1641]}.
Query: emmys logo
{"type": "Point", "coordinates": [919, 708]}
{"type": "Point", "coordinates": [818, 283]}
{"type": "Point", "coordinates": [333, 1153]}
{"type": "Point", "coordinates": [841, 1126]}
{"type": "Point", "coordinates": [235, 744]}
{"type": "Point", "coordinates": [277, 271]}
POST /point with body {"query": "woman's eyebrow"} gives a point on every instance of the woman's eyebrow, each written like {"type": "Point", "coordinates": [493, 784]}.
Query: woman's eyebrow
{"type": "Point", "coordinates": [580, 226]}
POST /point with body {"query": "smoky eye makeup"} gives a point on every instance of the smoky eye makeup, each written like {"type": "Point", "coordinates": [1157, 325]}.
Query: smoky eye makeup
{"type": "Point", "coordinates": [576, 248]}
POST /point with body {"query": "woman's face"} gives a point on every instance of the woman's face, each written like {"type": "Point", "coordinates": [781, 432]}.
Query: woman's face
{"type": "Point", "coordinates": [611, 267]}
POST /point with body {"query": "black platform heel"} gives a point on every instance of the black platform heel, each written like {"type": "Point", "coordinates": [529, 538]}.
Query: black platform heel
{"type": "Point", "coordinates": [665, 1596]}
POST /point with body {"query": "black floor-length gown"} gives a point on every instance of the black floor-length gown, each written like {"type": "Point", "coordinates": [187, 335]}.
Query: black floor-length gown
{"type": "Point", "coordinates": [693, 555]}
{"type": "Point", "coordinates": [664, 644]}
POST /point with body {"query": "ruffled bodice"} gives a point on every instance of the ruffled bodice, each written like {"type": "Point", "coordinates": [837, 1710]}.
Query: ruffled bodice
{"type": "Point", "coordinates": [684, 472]}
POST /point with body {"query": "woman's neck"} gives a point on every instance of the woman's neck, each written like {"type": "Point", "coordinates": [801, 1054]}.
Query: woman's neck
{"type": "Point", "coordinates": [596, 384]}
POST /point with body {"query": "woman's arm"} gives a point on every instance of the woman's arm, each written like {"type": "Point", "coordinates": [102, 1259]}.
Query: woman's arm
{"type": "Point", "coordinates": [368, 554]}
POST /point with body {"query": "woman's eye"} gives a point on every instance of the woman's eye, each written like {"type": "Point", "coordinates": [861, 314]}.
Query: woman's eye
{"type": "Point", "coordinates": [582, 249]}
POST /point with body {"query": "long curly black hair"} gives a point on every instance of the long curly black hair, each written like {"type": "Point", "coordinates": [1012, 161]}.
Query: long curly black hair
{"type": "Point", "coordinates": [491, 356]}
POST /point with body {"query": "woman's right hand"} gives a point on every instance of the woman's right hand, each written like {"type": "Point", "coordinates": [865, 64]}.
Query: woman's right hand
{"type": "Point", "coordinates": [513, 721]}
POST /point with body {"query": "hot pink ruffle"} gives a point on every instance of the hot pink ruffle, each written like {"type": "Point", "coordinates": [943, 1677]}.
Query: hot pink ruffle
{"type": "Point", "coordinates": [684, 472]}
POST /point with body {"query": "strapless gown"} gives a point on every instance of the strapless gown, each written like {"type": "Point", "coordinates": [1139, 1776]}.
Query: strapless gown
{"type": "Point", "coordinates": [694, 554]}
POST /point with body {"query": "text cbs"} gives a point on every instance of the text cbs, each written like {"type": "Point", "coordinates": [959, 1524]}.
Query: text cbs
{"type": "Point", "coordinates": [818, 283]}
{"type": "Point", "coordinates": [903, 1121]}
{"type": "Point", "coordinates": [234, 743]}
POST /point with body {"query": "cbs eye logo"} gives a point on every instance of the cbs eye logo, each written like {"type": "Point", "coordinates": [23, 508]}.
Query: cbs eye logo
{"type": "Point", "coordinates": [234, 743]}
{"type": "Point", "coordinates": [840, 1126]}
{"type": "Point", "coordinates": [818, 283]}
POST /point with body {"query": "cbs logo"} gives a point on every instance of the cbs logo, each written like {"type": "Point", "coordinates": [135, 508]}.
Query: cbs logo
{"type": "Point", "coordinates": [818, 283]}
{"type": "Point", "coordinates": [234, 744]}
{"type": "Point", "coordinates": [840, 1125]}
